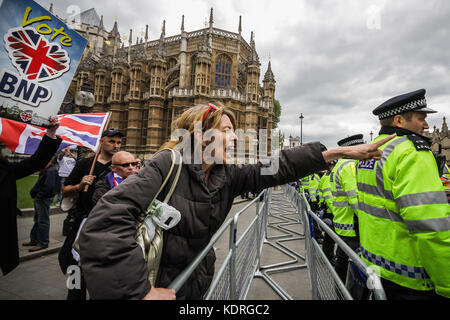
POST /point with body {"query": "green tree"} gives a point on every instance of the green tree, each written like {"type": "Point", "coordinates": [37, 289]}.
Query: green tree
{"type": "Point", "coordinates": [281, 139]}
{"type": "Point", "coordinates": [276, 113]}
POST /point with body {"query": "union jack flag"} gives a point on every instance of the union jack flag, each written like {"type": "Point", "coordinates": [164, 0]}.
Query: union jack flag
{"type": "Point", "coordinates": [82, 129]}
{"type": "Point", "coordinates": [34, 56]}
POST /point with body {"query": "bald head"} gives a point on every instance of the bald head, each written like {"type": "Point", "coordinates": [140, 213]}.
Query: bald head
{"type": "Point", "coordinates": [123, 164]}
{"type": "Point", "coordinates": [119, 156]}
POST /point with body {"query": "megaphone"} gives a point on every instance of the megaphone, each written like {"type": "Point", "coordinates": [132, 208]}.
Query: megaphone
{"type": "Point", "coordinates": [67, 203]}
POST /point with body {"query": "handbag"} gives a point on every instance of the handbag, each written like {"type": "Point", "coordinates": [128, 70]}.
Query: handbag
{"type": "Point", "coordinates": [159, 216]}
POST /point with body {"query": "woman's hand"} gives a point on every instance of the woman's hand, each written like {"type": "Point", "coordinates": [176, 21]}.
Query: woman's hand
{"type": "Point", "coordinates": [160, 294]}
{"type": "Point", "coordinates": [358, 152]}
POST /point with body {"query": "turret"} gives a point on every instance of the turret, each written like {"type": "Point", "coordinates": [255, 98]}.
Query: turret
{"type": "Point", "coordinates": [253, 73]}
{"type": "Point", "coordinates": [203, 66]}
{"type": "Point", "coordinates": [158, 66]}
{"type": "Point", "coordinates": [269, 85]}
{"type": "Point", "coordinates": [182, 57]}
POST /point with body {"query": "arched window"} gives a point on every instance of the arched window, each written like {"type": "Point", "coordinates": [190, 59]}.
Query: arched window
{"type": "Point", "coordinates": [223, 71]}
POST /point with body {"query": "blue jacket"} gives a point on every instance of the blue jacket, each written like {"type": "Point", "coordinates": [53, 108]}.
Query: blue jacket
{"type": "Point", "coordinates": [48, 184]}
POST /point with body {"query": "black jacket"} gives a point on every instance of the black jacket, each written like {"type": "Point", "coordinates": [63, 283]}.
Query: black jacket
{"type": "Point", "coordinates": [9, 173]}
{"type": "Point", "coordinates": [112, 261]}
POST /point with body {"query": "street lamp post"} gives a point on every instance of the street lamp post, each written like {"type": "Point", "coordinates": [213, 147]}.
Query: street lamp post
{"type": "Point", "coordinates": [301, 128]}
{"type": "Point", "coordinates": [85, 100]}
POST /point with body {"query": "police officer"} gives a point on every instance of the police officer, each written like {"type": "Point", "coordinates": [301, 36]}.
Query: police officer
{"type": "Point", "coordinates": [404, 217]}
{"type": "Point", "coordinates": [345, 204]}
{"type": "Point", "coordinates": [326, 204]}
{"type": "Point", "coordinates": [313, 186]}
{"type": "Point", "coordinates": [445, 178]}
{"type": "Point", "coordinates": [304, 185]}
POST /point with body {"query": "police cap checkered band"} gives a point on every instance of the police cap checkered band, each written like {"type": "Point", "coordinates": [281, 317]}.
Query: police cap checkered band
{"type": "Point", "coordinates": [403, 109]}
{"type": "Point", "coordinates": [413, 101]}
{"type": "Point", "coordinates": [351, 141]}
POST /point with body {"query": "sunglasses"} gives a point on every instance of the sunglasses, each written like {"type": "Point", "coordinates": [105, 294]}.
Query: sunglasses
{"type": "Point", "coordinates": [126, 165]}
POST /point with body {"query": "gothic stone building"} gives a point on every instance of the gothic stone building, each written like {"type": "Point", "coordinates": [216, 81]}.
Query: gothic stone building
{"type": "Point", "coordinates": [148, 84]}
{"type": "Point", "coordinates": [440, 139]}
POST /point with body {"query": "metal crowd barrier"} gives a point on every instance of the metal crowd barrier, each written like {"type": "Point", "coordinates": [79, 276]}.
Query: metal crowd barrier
{"type": "Point", "coordinates": [235, 276]}
{"type": "Point", "coordinates": [325, 282]}
{"type": "Point", "coordinates": [242, 262]}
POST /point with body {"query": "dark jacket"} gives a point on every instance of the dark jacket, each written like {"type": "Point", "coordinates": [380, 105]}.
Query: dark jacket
{"type": "Point", "coordinates": [112, 261]}
{"type": "Point", "coordinates": [47, 185]}
{"type": "Point", "coordinates": [100, 188]}
{"type": "Point", "coordinates": [81, 208]}
{"type": "Point", "coordinates": [9, 173]}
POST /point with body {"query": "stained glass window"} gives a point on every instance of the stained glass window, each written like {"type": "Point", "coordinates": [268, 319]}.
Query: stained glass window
{"type": "Point", "coordinates": [223, 71]}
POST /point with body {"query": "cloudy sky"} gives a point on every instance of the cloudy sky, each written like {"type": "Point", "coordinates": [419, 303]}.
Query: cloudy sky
{"type": "Point", "coordinates": [334, 61]}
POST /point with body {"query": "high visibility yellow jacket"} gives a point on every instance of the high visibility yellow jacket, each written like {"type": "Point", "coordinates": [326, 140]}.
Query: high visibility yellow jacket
{"type": "Point", "coordinates": [325, 191]}
{"type": "Point", "coordinates": [304, 184]}
{"type": "Point", "coordinates": [314, 181]}
{"type": "Point", "coordinates": [345, 201]}
{"type": "Point", "coordinates": [404, 217]}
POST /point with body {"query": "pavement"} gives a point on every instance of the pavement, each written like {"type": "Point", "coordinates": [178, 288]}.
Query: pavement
{"type": "Point", "coordinates": [24, 225]}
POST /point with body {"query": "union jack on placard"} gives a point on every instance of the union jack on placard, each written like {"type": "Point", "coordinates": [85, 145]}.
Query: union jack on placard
{"type": "Point", "coordinates": [34, 57]}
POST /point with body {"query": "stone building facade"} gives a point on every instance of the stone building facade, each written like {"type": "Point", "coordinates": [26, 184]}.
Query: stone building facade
{"type": "Point", "coordinates": [147, 84]}
{"type": "Point", "coordinates": [440, 139]}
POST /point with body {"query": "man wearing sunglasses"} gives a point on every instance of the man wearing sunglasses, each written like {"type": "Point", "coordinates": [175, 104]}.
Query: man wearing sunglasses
{"type": "Point", "coordinates": [124, 164]}
{"type": "Point", "coordinates": [74, 185]}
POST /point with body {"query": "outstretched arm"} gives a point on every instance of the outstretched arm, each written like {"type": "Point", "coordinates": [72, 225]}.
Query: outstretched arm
{"type": "Point", "coordinates": [359, 152]}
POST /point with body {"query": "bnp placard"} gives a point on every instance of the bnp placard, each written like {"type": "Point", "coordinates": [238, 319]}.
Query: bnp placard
{"type": "Point", "coordinates": [39, 55]}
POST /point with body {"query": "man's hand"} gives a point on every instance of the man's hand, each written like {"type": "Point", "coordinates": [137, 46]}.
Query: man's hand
{"type": "Point", "coordinates": [358, 152]}
{"type": "Point", "coordinates": [54, 125]}
{"type": "Point", "coordinates": [160, 294]}
{"type": "Point", "coordinates": [86, 181]}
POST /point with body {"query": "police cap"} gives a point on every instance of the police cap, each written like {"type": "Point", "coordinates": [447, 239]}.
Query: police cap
{"type": "Point", "coordinates": [351, 141]}
{"type": "Point", "coordinates": [412, 101]}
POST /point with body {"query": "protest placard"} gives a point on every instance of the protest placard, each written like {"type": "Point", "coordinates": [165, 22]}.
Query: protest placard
{"type": "Point", "coordinates": [39, 55]}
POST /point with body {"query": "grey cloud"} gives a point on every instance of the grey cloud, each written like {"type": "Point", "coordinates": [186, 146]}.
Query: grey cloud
{"type": "Point", "coordinates": [327, 62]}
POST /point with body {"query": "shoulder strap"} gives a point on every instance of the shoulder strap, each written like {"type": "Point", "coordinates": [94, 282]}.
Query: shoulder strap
{"type": "Point", "coordinates": [175, 155]}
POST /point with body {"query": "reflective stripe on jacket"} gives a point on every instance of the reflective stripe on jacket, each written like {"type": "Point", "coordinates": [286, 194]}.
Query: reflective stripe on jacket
{"type": "Point", "coordinates": [404, 217]}
{"type": "Point", "coordinates": [304, 184]}
{"type": "Point", "coordinates": [325, 191]}
{"type": "Point", "coordinates": [314, 181]}
{"type": "Point", "coordinates": [345, 201]}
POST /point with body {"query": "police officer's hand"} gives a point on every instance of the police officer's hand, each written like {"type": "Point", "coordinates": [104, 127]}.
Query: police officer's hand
{"type": "Point", "coordinates": [367, 151]}
{"type": "Point", "coordinates": [54, 125]}
{"type": "Point", "coordinates": [358, 152]}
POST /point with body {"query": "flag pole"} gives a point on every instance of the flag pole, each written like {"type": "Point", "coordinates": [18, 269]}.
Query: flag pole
{"type": "Point", "coordinates": [91, 171]}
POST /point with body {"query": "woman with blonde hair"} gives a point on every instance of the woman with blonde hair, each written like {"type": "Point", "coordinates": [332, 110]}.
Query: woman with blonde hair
{"type": "Point", "coordinates": [113, 262]}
